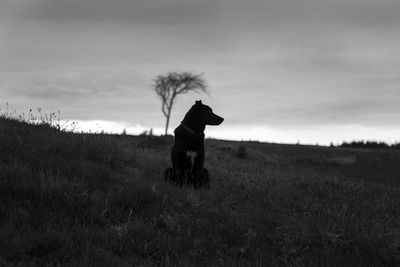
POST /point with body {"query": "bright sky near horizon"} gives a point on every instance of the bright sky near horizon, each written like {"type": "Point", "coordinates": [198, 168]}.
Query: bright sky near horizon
{"type": "Point", "coordinates": [308, 71]}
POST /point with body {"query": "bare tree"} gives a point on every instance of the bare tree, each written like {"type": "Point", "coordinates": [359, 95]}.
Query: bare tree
{"type": "Point", "coordinates": [169, 86]}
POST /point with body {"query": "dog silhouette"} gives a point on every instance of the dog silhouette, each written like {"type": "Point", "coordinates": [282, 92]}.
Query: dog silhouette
{"type": "Point", "coordinates": [187, 154]}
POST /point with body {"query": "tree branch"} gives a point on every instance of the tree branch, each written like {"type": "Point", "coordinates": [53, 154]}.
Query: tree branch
{"type": "Point", "coordinates": [173, 84]}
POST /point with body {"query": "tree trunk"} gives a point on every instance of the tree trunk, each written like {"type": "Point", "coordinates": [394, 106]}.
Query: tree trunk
{"type": "Point", "coordinates": [169, 114]}
{"type": "Point", "coordinates": [167, 123]}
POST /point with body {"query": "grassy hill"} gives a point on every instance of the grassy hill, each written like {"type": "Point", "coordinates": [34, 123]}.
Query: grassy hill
{"type": "Point", "coordinates": [99, 200]}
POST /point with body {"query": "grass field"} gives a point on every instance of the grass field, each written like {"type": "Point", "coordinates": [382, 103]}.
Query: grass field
{"type": "Point", "coordinates": [99, 200]}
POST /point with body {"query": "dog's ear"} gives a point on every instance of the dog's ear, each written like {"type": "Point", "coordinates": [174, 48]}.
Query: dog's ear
{"type": "Point", "coordinates": [198, 102]}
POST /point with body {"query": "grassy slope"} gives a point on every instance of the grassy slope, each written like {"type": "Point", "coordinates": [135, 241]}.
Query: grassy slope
{"type": "Point", "coordinates": [99, 200]}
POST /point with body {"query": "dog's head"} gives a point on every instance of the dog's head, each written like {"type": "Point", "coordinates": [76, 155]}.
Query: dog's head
{"type": "Point", "coordinates": [201, 115]}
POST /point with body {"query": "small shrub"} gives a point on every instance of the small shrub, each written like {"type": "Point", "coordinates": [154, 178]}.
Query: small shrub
{"type": "Point", "coordinates": [242, 152]}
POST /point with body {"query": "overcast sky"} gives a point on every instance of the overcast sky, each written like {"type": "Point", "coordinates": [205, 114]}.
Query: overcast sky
{"type": "Point", "coordinates": [278, 70]}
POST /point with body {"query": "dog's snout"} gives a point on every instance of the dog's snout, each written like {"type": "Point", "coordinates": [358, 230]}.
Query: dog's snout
{"type": "Point", "coordinates": [217, 120]}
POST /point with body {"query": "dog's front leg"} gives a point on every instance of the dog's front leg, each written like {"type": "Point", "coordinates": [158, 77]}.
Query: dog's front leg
{"type": "Point", "coordinates": [181, 177]}
{"type": "Point", "coordinates": [197, 175]}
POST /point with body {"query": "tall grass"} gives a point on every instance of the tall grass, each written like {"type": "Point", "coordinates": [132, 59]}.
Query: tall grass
{"type": "Point", "coordinates": [99, 200]}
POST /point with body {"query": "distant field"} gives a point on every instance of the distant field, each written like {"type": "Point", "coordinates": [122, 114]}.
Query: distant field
{"type": "Point", "coordinates": [99, 200]}
{"type": "Point", "coordinates": [374, 165]}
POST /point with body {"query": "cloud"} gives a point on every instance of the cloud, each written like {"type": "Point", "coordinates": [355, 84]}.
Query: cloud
{"type": "Point", "coordinates": [119, 11]}
{"type": "Point", "coordinates": [277, 63]}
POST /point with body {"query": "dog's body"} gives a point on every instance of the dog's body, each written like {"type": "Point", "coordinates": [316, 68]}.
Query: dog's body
{"type": "Point", "coordinates": [187, 153]}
